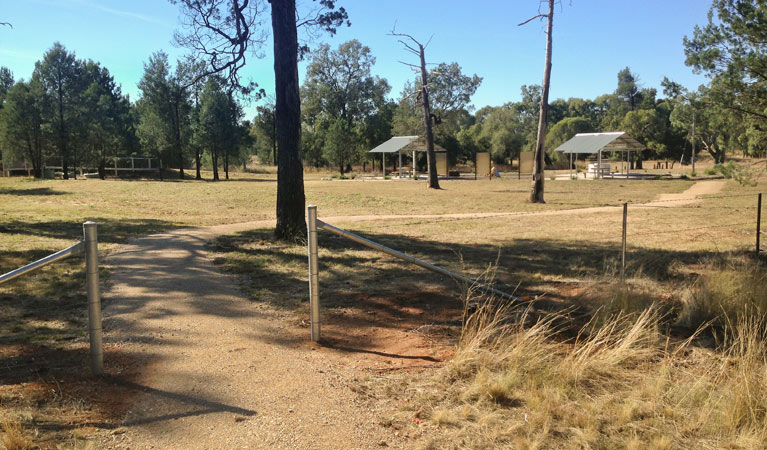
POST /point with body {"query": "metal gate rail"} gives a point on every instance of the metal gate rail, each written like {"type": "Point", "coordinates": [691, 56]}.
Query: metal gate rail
{"type": "Point", "coordinates": [314, 297]}
{"type": "Point", "coordinates": [89, 245]}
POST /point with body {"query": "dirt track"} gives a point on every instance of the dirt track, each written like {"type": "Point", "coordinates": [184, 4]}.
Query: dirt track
{"type": "Point", "coordinates": [220, 371]}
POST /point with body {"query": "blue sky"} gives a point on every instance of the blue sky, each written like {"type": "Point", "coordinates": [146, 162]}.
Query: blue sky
{"type": "Point", "coordinates": [593, 40]}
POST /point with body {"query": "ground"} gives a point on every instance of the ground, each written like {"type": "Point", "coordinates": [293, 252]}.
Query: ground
{"type": "Point", "coordinates": [197, 358]}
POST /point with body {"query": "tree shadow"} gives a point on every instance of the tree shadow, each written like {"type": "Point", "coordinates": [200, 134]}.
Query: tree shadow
{"type": "Point", "coordinates": [112, 231]}
{"type": "Point", "coordinates": [65, 374]}
{"type": "Point", "coordinates": [43, 191]}
{"type": "Point", "coordinates": [362, 289]}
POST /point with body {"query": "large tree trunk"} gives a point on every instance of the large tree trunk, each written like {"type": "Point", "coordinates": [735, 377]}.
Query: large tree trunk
{"type": "Point", "coordinates": [197, 162]}
{"type": "Point", "coordinates": [431, 157]}
{"type": "Point", "coordinates": [215, 164]}
{"type": "Point", "coordinates": [290, 177]}
{"type": "Point", "coordinates": [274, 138]}
{"type": "Point", "coordinates": [226, 165]}
{"type": "Point", "coordinates": [536, 190]}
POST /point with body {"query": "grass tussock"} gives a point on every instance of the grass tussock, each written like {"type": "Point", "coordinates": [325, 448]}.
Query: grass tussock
{"type": "Point", "coordinates": [725, 294]}
{"type": "Point", "coordinates": [13, 436]}
{"type": "Point", "coordinates": [517, 380]}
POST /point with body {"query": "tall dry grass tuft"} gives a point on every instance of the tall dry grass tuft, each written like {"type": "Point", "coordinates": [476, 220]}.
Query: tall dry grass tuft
{"type": "Point", "coordinates": [518, 381]}
{"type": "Point", "coordinates": [13, 437]}
{"type": "Point", "coordinates": [725, 295]}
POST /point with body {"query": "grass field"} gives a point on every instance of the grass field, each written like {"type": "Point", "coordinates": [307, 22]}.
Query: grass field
{"type": "Point", "coordinates": [570, 262]}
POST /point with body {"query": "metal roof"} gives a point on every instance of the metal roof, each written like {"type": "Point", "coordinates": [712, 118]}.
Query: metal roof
{"type": "Point", "coordinates": [404, 143]}
{"type": "Point", "coordinates": [617, 141]}
{"type": "Point", "coordinates": [394, 144]}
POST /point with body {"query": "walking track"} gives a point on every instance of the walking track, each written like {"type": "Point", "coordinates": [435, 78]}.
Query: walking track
{"type": "Point", "coordinates": [220, 371]}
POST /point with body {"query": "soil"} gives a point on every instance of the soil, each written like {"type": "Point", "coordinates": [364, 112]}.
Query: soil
{"type": "Point", "coordinates": [193, 363]}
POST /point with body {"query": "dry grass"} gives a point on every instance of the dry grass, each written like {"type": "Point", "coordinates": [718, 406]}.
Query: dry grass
{"type": "Point", "coordinates": [518, 379]}
{"type": "Point", "coordinates": [517, 382]}
{"type": "Point", "coordinates": [730, 290]}
{"type": "Point", "coordinates": [13, 436]}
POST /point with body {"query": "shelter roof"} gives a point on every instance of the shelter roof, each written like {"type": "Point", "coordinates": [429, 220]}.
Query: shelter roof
{"type": "Point", "coordinates": [617, 141]}
{"type": "Point", "coordinates": [394, 144]}
{"type": "Point", "coordinates": [404, 143]}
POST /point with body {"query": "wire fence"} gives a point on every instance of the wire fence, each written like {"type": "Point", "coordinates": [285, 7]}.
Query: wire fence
{"type": "Point", "coordinates": [691, 221]}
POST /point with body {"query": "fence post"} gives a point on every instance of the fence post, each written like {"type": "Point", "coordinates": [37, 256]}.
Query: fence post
{"type": "Point", "coordinates": [623, 242]}
{"type": "Point", "coordinates": [758, 224]}
{"type": "Point", "coordinates": [94, 296]}
{"type": "Point", "coordinates": [314, 284]}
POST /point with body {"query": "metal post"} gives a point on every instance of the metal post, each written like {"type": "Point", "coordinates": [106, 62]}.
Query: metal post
{"type": "Point", "coordinates": [599, 164]}
{"type": "Point", "coordinates": [383, 164]}
{"type": "Point", "coordinates": [758, 224]}
{"type": "Point", "coordinates": [623, 242]}
{"type": "Point", "coordinates": [94, 296]}
{"type": "Point", "coordinates": [314, 283]}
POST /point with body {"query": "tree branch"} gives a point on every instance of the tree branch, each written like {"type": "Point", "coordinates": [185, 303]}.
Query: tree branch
{"type": "Point", "coordinates": [539, 16]}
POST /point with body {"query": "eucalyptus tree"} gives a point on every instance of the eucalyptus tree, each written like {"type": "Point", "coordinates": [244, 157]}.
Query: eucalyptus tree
{"type": "Point", "coordinates": [536, 190]}
{"type": "Point", "coordinates": [339, 87]}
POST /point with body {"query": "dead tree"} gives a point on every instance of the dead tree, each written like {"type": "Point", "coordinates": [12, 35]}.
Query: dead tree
{"type": "Point", "coordinates": [536, 189]}
{"type": "Point", "coordinates": [431, 157]}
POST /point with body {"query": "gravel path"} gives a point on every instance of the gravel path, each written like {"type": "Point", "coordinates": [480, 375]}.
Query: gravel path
{"type": "Point", "coordinates": [220, 371]}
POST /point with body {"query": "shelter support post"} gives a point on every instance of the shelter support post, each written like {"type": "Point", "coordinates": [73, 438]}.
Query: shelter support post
{"type": "Point", "coordinates": [599, 164]}
{"type": "Point", "coordinates": [383, 164]}
{"type": "Point", "coordinates": [400, 164]}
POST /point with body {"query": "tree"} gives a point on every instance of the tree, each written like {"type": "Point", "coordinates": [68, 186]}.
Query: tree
{"type": "Point", "coordinates": [216, 123]}
{"type": "Point", "coordinates": [264, 130]}
{"type": "Point", "coordinates": [628, 88]}
{"type": "Point", "coordinates": [222, 31]}
{"type": "Point", "coordinates": [106, 115]}
{"type": "Point", "coordinates": [415, 47]}
{"type": "Point", "coordinates": [21, 123]}
{"type": "Point", "coordinates": [6, 81]}
{"type": "Point", "coordinates": [60, 76]}
{"type": "Point", "coordinates": [340, 87]}
{"type": "Point", "coordinates": [168, 96]}
{"type": "Point", "coordinates": [536, 190]}
{"type": "Point", "coordinates": [339, 142]}
{"type": "Point", "coordinates": [730, 50]}
{"type": "Point", "coordinates": [565, 129]}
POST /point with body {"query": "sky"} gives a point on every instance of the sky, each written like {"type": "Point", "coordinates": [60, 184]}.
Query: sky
{"type": "Point", "coordinates": [593, 40]}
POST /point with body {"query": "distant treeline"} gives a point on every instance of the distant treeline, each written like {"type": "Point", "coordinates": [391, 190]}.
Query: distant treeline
{"type": "Point", "coordinates": [72, 109]}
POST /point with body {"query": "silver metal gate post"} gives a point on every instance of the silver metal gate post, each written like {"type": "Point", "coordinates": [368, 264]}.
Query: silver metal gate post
{"type": "Point", "coordinates": [314, 284]}
{"type": "Point", "coordinates": [623, 242]}
{"type": "Point", "coordinates": [94, 296]}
